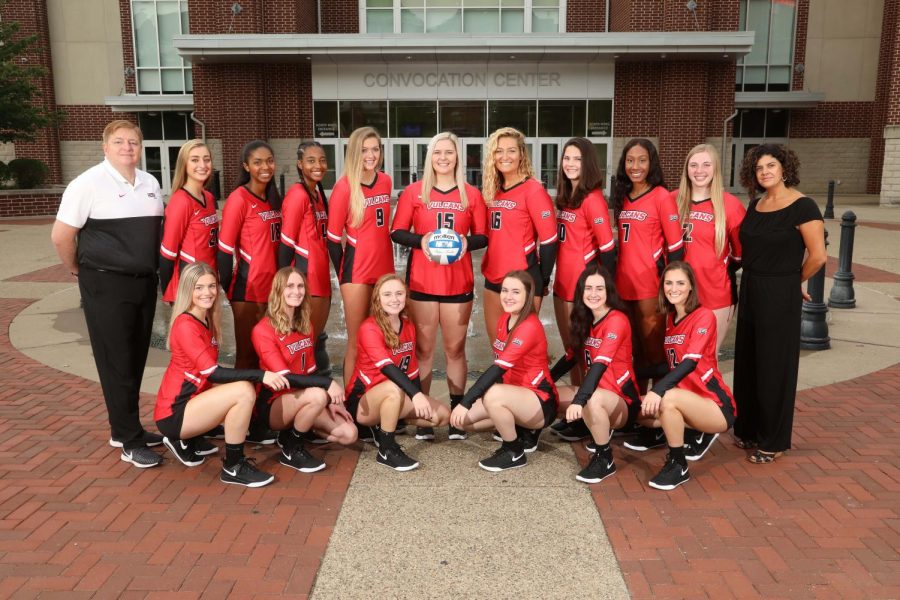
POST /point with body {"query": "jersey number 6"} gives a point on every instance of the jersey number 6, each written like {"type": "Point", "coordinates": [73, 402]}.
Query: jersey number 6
{"type": "Point", "coordinates": [495, 220]}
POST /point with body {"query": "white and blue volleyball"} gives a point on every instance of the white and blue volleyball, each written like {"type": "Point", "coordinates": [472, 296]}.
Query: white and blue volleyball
{"type": "Point", "coordinates": [445, 246]}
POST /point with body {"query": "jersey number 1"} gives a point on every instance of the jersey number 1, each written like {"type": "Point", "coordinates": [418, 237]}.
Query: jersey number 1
{"type": "Point", "coordinates": [276, 231]}
{"type": "Point", "coordinates": [404, 364]}
{"type": "Point", "coordinates": [445, 220]}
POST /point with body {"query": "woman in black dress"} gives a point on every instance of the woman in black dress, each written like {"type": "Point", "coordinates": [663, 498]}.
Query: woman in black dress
{"type": "Point", "coordinates": [784, 245]}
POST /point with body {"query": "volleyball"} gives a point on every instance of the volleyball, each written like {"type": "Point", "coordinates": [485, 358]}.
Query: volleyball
{"type": "Point", "coordinates": [445, 246]}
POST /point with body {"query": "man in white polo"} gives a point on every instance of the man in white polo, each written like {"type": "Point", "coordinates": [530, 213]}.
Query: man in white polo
{"type": "Point", "coordinates": [107, 234]}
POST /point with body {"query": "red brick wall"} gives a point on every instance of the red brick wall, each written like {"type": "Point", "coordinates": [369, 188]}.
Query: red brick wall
{"type": "Point", "coordinates": [340, 16]}
{"type": "Point", "coordinates": [127, 45]}
{"type": "Point", "coordinates": [289, 101]}
{"type": "Point", "coordinates": [85, 122]}
{"type": "Point", "coordinates": [682, 123]}
{"type": "Point", "coordinates": [720, 97]}
{"type": "Point", "coordinates": [619, 15]}
{"type": "Point", "coordinates": [32, 203]}
{"type": "Point", "coordinates": [832, 120]}
{"type": "Point", "coordinates": [585, 15]}
{"type": "Point", "coordinates": [636, 107]}
{"type": "Point", "coordinates": [672, 15]}
{"type": "Point", "coordinates": [802, 20]}
{"type": "Point", "coordinates": [886, 110]}
{"type": "Point", "coordinates": [32, 18]}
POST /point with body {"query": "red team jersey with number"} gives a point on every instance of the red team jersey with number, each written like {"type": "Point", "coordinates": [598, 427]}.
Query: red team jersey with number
{"type": "Point", "coordinates": [368, 253]}
{"type": "Point", "coordinates": [710, 268]}
{"type": "Point", "coordinates": [584, 233]}
{"type": "Point", "coordinates": [445, 211]}
{"type": "Point", "coordinates": [290, 353]}
{"type": "Point", "coordinates": [304, 227]}
{"type": "Point", "coordinates": [519, 219]}
{"type": "Point", "coordinates": [610, 343]}
{"type": "Point", "coordinates": [251, 232]}
{"type": "Point", "coordinates": [648, 229]}
{"type": "Point", "coordinates": [195, 354]}
{"type": "Point", "coordinates": [373, 354]}
{"type": "Point", "coordinates": [694, 337]}
{"type": "Point", "coordinates": [190, 234]}
{"type": "Point", "coordinates": [524, 356]}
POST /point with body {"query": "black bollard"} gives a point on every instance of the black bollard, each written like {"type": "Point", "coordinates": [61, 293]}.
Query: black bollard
{"type": "Point", "coordinates": [842, 295]}
{"type": "Point", "coordinates": [813, 327]}
{"type": "Point", "coordinates": [829, 204]}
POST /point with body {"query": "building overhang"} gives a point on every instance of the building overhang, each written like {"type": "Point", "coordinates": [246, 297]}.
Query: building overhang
{"type": "Point", "coordinates": [534, 47]}
{"type": "Point", "coordinates": [150, 102]}
{"type": "Point", "coordinates": [798, 99]}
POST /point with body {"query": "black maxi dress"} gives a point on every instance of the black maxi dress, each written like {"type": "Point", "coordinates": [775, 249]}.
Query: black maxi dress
{"type": "Point", "coordinates": [767, 348]}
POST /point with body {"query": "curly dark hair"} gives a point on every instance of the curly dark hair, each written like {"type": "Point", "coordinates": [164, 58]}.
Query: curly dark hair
{"type": "Point", "coordinates": [790, 164]}
{"type": "Point", "coordinates": [623, 183]}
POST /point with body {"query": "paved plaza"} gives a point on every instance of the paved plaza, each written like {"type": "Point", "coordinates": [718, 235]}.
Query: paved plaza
{"type": "Point", "coordinates": [75, 521]}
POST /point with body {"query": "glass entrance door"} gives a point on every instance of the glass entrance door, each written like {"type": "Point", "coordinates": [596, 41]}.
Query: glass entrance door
{"type": "Point", "coordinates": [405, 160]}
{"type": "Point", "coordinates": [472, 157]}
{"type": "Point", "coordinates": [159, 160]}
{"type": "Point", "coordinates": [739, 148]}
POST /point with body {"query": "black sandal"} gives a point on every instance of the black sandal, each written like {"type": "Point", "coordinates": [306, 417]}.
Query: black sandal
{"type": "Point", "coordinates": [761, 457]}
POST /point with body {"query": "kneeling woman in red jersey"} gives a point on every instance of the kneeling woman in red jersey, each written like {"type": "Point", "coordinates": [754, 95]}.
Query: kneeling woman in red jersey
{"type": "Point", "coordinates": [385, 384]}
{"type": "Point", "coordinates": [693, 394]}
{"type": "Point", "coordinates": [189, 404]}
{"type": "Point", "coordinates": [515, 395]}
{"type": "Point", "coordinates": [601, 340]}
{"type": "Point", "coordinates": [285, 342]}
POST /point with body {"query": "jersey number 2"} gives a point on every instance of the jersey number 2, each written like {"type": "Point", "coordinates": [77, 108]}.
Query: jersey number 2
{"type": "Point", "coordinates": [673, 358]}
{"type": "Point", "coordinates": [687, 229]}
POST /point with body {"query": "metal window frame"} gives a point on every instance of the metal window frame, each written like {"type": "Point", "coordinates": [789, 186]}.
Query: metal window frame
{"type": "Point", "coordinates": [182, 4]}
{"type": "Point", "coordinates": [742, 66]}
{"type": "Point", "coordinates": [527, 6]}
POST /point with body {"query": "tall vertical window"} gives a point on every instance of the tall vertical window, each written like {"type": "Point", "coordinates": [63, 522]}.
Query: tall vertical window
{"type": "Point", "coordinates": [461, 16]}
{"type": "Point", "coordinates": [159, 68]}
{"type": "Point", "coordinates": [768, 65]}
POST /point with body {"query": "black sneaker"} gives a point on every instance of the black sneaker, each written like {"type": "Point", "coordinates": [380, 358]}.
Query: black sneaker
{"type": "Point", "coordinates": [592, 446]}
{"type": "Point", "coordinates": [149, 439]}
{"type": "Point", "coordinates": [598, 468]}
{"type": "Point", "coordinates": [216, 433]}
{"type": "Point", "coordinates": [203, 447]}
{"type": "Point", "coordinates": [671, 476]}
{"type": "Point", "coordinates": [456, 434]}
{"type": "Point", "coordinates": [184, 452]}
{"type": "Point", "coordinates": [559, 426]}
{"type": "Point", "coordinates": [283, 437]}
{"type": "Point", "coordinates": [300, 459]}
{"type": "Point", "coordinates": [260, 435]}
{"type": "Point", "coordinates": [572, 432]}
{"type": "Point", "coordinates": [424, 433]}
{"type": "Point", "coordinates": [365, 433]}
{"type": "Point", "coordinates": [647, 439]}
{"type": "Point", "coordinates": [395, 458]}
{"type": "Point", "coordinates": [632, 429]}
{"type": "Point", "coordinates": [695, 448]}
{"type": "Point", "coordinates": [314, 438]}
{"type": "Point", "coordinates": [401, 427]}
{"type": "Point", "coordinates": [496, 436]}
{"type": "Point", "coordinates": [529, 438]}
{"type": "Point", "coordinates": [246, 473]}
{"type": "Point", "coordinates": [503, 459]}
{"type": "Point", "coordinates": [142, 458]}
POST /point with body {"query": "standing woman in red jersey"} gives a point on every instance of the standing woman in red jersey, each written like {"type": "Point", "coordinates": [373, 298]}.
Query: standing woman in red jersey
{"type": "Point", "coordinates": [516, 394]}
{"type": "Point", "coordinates": [360, 207]}
{"type": "Point", "coordinates": [248, 245]}
{"type": "Point", "coordinates": [693, 393]}
{"type": "Point", "coordinates": [521, 227]}
{"type": "Point", "coordinates": [441, 295]}
{"type": "Point", "coordinates": [304, 231]}
{"type": "Point", "coordinates": [649, 237]}
{"type": "Point", "coordinates": [191, 225]}
{"type": "Point", "coordinates": [710, 218]}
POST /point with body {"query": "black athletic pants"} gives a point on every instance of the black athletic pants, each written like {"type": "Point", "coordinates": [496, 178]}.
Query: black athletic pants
{"type": "Point", "coordinates": [119, 311]}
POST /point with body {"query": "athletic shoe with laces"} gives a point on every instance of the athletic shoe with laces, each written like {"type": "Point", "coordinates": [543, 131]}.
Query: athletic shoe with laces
{"type": "Point", "coordinates": [456, 434]}
{"type": "Point", "coordinates": [216, 433]}
{"type": "Point", "coordinates": [503, 459]}
{"type": "Point", "coordinates": [598, 468]}
{"type": "Point", "coordinates": [203, 447]}
{"type": "Point", "coordinates": [529, 438]}
{"type": "Point", "coordinates": [260, 435]}
{"type": "Point", "coordinates": [572, 432]}
{"type": "Point", "coordinates": [245, 473]}
{"type": "Point", "coordinates": [150, 439]}
{"type": "Point", "coordinates": [184, 452]}
{"type": "Point", "coordinates": [695, 448]}
{"type": "Point", "coordinates": [647, 439]}
{"type": "Point", "coordinates": [424, 433]}
{"type": "Point", "coordinates": [142, 457]}
{"type": "Point", "coordinates": [298, 458]}
{"type": "Point", "coordinates": [395, 458]}
{"type": "Point", "coordinates": [671, 476]}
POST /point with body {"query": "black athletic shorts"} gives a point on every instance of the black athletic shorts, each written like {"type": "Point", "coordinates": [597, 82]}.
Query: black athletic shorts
{"type": "Point", "coordinates": [354, 395]}
{"type": "Point", "coordinates": [634, 408]}
{"type": "Point", "coordinates": [550, 406]}
{"type": "Point", "coordinates": [171, 425]}
{"type": "Point", "coordinates": [727, 407]}
{"type": "Point", "coordinates": [455, 299]}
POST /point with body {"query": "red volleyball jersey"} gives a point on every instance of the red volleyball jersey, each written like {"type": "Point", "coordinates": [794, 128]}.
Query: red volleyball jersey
{"type": "Point", "coordinates": [283, 354]}
{"type": "Point", "coordinates": [610, 343]}
{"type": "Point", "coordinates": [190, 234]}
{"type": "Point", "coordinates": [518, 219]}
{"type": "Point", "coordinates": [445, 211]}
{"type": "Point", "coordinates": [195, 354]}
{"type": "Point", "coordinates": [304, 227]}
{"type": "Point", "coordinates": [694, 337]}
{"type": "Point", "coordinates": [251, 232]}
{"type": "Point", "coordinates": [584, 233]}
{"type": "Point", "coordinates": [373, 353]}
{"type": "Point", "coordinates": [648, 228]}
{"type": "Point", "coordinates": [711, 268]}
{"type": "Point", "coordinates": [524, 356]}
{"type": "Point", "coordinates": [368, 253]}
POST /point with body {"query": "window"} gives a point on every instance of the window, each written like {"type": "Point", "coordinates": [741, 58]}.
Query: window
{"type": "Point", "coordinates": [561, 118]}
{"type": "Point", "coordinates": [768, 65]}
{"type": "Point", "coordinates": [521, 114]}
{"type": "Point", "coordinates": [416, 118]}
{"type": "Point", "coordinates": [762, 123]}
{"type": "Point", "coordinates": [361, 113]}
{"type": "Point", "coordinates": [461, 16]}
{"type": "Point", "coordinates": [159, 68]}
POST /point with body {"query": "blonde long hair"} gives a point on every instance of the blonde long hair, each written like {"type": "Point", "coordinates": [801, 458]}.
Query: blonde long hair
{"type": "Point", "coordinates": [353, 170]}
{"type": "Point", "coordinates": [428, 176]}
{"type": "Point", "coordinates": [391, 337]}
{"type": "Point", "coordinates": [184, 298]}
{"type": "Point", "coordinates": [181, 177]}
{"type": "Point", "coordinates": [716, 193]}
{"type": "Point", "coordinates": [276, 312]}
{"type": "Point", "coordinates": [492, 179]}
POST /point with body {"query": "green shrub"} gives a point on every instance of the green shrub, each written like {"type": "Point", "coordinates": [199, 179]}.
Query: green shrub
{"type": "Point", "coordinates": [28, 172]}
{"type": "Point", "coordinates": [4, 173]}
